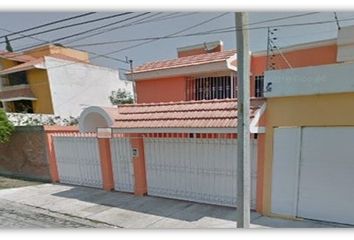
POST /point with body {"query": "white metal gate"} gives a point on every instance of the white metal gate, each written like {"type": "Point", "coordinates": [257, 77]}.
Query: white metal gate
{"type": "Point", "coordinates": [122, 162]}
{"type": "Point", "coordinates": [78, 160]}
{"type": "Point", "coordinates": [201, 170]}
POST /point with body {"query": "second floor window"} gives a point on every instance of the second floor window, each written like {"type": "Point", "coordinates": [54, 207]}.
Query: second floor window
{"type": "Point", "coordinates": [15, 79]}
{"type": "Point", "coordinates": [259, 85]}
{"type": "Point", "coordinates": [206, 88]}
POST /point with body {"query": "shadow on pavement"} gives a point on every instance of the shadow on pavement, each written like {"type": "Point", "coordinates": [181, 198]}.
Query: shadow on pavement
{"type": "Point", "coordinates": [181, 210]}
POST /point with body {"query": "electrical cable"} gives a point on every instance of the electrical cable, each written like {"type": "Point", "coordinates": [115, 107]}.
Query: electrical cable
{"type": "Point", "coordinates": [48, 24]}
{"type": "Point", "coordinates": [138, 22]}
{"type": "Point", "coordinates": [87, 31]}
{"type": "Point", "coordinates": [72, 25]}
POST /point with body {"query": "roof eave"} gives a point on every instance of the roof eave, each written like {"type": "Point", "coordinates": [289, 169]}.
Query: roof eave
{"type": "Point", "coordinates": [219, 66]}
{"type": "Point", "coordinates": [34, 66]}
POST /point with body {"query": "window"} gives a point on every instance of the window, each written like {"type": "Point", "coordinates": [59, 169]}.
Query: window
{"type": "Point", "coordinates": [259, 82]}
{"type": "Point", "coordinates": [15, 79]}
{"type": "Point", "coordinates": [206, 88]}
{"type": "Point", "coordinates": [23, 106]}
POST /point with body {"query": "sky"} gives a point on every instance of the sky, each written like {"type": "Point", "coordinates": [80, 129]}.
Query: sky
{"type": "Point", "coordinates": [166, 48]}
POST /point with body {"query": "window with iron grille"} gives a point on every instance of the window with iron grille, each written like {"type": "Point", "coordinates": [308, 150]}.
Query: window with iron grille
{"type": "Point", "coordinates": [259, 82]}
{"type": "Point", "coordinates": [215, 87]}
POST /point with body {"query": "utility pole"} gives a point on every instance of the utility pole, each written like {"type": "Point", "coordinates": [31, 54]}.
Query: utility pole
{"type": "Point", "coordinates": [243, 133]}
{"type": "Point", "coordinates": [133, 81]}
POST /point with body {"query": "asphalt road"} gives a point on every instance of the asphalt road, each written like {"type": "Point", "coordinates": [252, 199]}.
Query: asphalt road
{"type": "Point", "coordinates": [14, 215]}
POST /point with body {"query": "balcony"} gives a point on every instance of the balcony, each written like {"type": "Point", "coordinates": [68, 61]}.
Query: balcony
{"type": "Point", "coordinates": [16, 92]}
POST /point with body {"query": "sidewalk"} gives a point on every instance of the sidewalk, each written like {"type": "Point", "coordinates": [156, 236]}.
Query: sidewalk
{"type": "Point", "coordinates": [129, 211]}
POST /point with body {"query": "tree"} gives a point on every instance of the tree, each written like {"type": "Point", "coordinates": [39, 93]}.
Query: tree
{"type": "Point", "coordinates": [121, 96]}
{"type": "Point", "coordinates": [6, 127]}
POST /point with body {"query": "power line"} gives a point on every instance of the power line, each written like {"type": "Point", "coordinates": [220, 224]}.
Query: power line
{"type": "Point", "coordinates": [48, 24]}
{"type": "Point", "coordinates": [74, 25]}
{"type": "Point", "coordinates": [138, 22]}
{"type": "Point", "coordinates": [45, 41]}
{"type": "Point", "coordinates": [183, 30]}
{"type": "Point", "coordinates": [169, 35]}
{"type": "Point", "coordinates": [210, 32]}
{"type": "Point", "coordinates": [281, 18]}
{"type": "Point", "coordinates": [87, 31]}
{"type": "Point", "coordinates": [214, 31]}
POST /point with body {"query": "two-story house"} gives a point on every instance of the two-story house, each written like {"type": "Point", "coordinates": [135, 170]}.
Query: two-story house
{"type": "Point", "coordinates": [54, 80]}
{"type": "Point", "coordinates": [207, 71]}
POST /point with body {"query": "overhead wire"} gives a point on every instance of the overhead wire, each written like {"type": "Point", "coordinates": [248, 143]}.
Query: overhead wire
{"type": "Point", "coordinates": [72, 25]}
{"type": "Point", "coordinates": [214, 31]}
{"type": "Point", "coordinates": [169, 35]}
{"type": "Point", "coordinates": [185, 29]}
{"type": "Point", "coordinates": [48, 24]}
{"type": "Point", "coordinates": [138, 22]}
{"type": "Point", "coordinates": [89, 30]}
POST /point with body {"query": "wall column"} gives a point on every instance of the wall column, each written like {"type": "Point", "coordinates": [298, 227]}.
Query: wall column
{"type": "Point", "coordinates": [53, 168]}
{"type": "Point", "coordinates": [104, 145]}
{"type": "Point", "coordinates": [52, 161]}
{"type": "Point", "coordinates": [137, 143]}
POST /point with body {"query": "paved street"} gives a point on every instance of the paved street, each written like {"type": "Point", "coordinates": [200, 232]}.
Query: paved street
{"type": "Point", "coordinates": [14, 215]}
{"type": "Point", "coordinates": [56, 205]}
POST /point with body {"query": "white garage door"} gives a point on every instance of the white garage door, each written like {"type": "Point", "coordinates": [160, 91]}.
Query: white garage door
{"type": "Point", "coordinates": [324, 166]}
{"type": "Point", "coordinates": [78, 161]}
{"type": "Point", "coordinates": [201, 170]}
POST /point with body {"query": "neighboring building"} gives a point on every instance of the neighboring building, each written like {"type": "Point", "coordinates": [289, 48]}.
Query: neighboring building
{"type": "Point", "coordinates": [54, 80]}
{"type": "Point", "coordinates": [207, 71]}
{"type": "Point", "coordinates": [308, 169]}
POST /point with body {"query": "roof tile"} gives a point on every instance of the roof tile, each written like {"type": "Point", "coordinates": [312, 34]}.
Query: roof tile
{"type": "Point", "coordinates": [193, 114]}
{"type": "Point", "coordinates": [185, 61]}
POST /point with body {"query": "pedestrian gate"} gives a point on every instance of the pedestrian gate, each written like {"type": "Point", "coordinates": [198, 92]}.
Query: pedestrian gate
{"type": "Point", "coordinates": [122, 162]}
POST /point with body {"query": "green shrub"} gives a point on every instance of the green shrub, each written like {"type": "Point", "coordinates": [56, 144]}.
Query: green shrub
{"type": "Point", "coordinates": [6, 127]}
{"type": "Point", "coordinates": [121, 96]}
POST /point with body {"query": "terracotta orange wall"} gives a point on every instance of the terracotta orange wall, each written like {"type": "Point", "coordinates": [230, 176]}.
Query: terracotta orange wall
{"type": "Point", "coordinates": [173, 89]}
{"type": "Point", "coordinates": [161, 90]}
{"type": "Point", "coordinates": [298, 58]}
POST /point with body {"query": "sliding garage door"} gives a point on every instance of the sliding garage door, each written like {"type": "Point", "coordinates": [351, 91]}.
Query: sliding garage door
{"type": "Point", "coordinates": [318, 173]}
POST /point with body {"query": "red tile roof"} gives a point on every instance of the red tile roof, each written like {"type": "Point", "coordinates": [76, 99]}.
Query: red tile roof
{"type": "Point", "coordinates": [192, 114]}
{"type": "Point", "coordinates": [185, 61]}
{"type": "Point", "coordinates": [18, 57]}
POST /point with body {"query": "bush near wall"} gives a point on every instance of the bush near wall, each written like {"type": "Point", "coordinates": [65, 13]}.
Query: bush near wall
{"type": "Point", "coordinates": [6, 127]}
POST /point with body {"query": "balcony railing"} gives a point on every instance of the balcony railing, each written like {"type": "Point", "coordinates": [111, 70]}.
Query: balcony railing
{"type": "Point", "coordinates": [7, 87]}
{"type": "Point", "coordinates": [22, 91]}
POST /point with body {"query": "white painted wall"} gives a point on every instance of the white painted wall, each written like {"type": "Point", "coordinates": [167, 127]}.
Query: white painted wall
{"type": "Point", "coordinates": [325, 79]}
{"type": "Point", "coordinates": [75, 86]}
